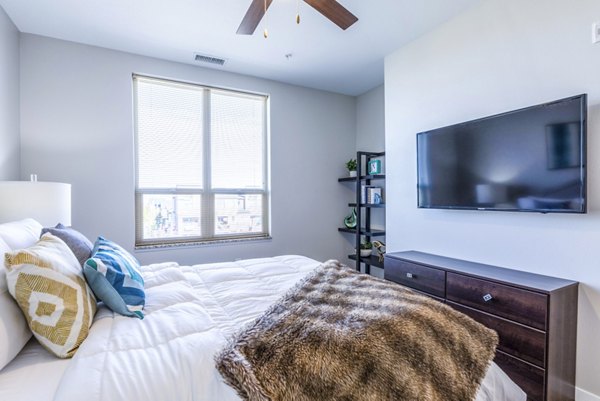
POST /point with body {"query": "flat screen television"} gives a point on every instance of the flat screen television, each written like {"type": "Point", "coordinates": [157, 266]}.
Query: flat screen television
{"type": "Point", "coordinates": [529, 160]}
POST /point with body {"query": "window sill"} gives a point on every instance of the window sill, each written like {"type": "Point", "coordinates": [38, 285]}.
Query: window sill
{"type": "Point", "coordinates": [199, 244]}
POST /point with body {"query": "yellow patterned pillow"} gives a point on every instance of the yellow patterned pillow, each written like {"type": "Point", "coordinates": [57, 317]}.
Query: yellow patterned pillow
{"type": "Point", "coordinates": [49, 286]}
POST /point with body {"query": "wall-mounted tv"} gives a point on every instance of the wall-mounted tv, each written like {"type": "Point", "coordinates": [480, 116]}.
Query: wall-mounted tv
{"type": "Point", "coordinates": [530, 160]}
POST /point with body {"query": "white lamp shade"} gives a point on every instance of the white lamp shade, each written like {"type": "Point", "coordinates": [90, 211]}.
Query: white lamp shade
{"type": "Point", "coordinates": [47, 202]}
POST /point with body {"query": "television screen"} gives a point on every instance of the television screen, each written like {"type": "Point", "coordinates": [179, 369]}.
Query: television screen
{"type": "Point", "coordinates": [526, 160]}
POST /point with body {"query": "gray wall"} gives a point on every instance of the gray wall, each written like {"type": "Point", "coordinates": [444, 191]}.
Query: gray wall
{"type": "Point", "coordinates": [76, 127]}
{"type": "Point", "coordinates": [370, 120]}
{"type": "Point", "coordinates": [498, 56]}
{"type": "Point", "coordinates": [9, 99]}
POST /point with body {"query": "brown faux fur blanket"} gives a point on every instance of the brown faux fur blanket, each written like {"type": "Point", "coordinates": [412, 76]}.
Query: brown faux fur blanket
{"type": "Point", "coordinates": [344, 336]}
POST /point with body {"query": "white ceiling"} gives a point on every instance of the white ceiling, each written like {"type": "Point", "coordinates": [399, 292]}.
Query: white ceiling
{"type": "Point", "coordinates": [324, 56]}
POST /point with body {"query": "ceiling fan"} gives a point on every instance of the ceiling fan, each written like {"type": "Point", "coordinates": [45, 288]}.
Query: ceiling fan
{"type": "Point", "coordinates": [331, 9]}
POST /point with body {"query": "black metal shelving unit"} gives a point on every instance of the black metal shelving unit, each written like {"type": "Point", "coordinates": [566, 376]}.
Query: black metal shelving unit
{"type": "Point", "coordinates": [369, 261]}
{"type": "Point", "coordinates": [372, 233]}
{"type": "Point", "coordinates": [368, 205]}
{"type": "Point", "coordinates": [366, 231]}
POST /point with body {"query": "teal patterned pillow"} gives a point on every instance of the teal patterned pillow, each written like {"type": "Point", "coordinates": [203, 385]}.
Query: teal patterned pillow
{"type": "Point", "coordinates": [114, 276]}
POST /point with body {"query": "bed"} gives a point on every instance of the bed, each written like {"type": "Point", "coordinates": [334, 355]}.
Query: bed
{"type": "Point", "coordinates": [190, 313]}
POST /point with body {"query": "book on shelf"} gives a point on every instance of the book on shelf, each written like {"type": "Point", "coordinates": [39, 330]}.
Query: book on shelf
{"type": "Point", "coordinates": [374, 195]}
{"type": "Point", "coordinates": [371, 194]}
{"type": "Point", "coordinates": [363, 194]}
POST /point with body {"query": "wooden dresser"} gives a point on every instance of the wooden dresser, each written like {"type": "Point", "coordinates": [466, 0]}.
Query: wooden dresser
{"type": "Point", "coordinates": [535, 316]}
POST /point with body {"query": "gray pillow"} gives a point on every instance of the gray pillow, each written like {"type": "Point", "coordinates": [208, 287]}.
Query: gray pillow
{"type": "Point", "coordinates": [76, 241]}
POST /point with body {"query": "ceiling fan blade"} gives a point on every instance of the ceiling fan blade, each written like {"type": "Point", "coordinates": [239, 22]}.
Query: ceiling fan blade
{"type": "Point", "coordinates": [255, 13]}
{"type": "Point", "coordinates": [334, 11]}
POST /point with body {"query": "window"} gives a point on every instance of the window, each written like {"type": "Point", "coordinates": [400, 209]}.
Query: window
{"type": "Point", "coordinates": [201, 163]}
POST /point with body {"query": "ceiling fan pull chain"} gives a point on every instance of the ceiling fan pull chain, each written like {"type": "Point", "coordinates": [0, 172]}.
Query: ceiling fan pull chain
{"type": "Point", "coordinates": [266, 32]}
{"type": "Point", "coordinates": [298, 12]}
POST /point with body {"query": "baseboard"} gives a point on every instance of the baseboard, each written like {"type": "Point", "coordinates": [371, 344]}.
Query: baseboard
{"type": "Point", "coordinates": [582, 395]}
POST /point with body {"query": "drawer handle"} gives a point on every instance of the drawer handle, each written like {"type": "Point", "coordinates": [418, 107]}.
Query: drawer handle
{"type": "Point", "coordinates": [487, 297]}
{"type": "Point", "coordinates": [410, 275]}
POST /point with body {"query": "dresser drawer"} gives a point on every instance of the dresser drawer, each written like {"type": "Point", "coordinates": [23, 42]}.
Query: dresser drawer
{"type": "Point", "coordinates": [515, 339]}
{"type": "Point", "coordinates": [512, 303]}
{"type": "Point", "coordinates": [419, 277]}
{"type": "Point", "coordinates": [428, 295]}
{"type": "Point", "coordinates": [528, 377]}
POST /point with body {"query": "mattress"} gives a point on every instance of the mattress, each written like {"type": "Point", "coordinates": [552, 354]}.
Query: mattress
{"type": "Point", "coordinates": [190, 313]}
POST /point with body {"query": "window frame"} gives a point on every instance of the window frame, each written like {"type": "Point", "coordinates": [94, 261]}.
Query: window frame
{"type": "Point", "coordinates": [207, 212]}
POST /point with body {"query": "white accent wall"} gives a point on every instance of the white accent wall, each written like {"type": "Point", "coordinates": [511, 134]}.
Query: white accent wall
{"type": "Point", "coordinates": [77, 127]}
{"type": "Point", "coordinates": [9, 99]}
{"type": "Point", "coordinates": [500, 55]}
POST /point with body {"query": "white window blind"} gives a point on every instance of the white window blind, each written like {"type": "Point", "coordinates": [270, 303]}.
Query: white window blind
{"type": "Point", "coordinates": [201, 163]}
{"type": "Point", "coordinates": [237, 152]}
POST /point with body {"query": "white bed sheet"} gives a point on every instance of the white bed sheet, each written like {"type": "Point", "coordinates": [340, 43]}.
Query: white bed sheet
{"type": "Point", "coordinates": [190, 312]}
{"type": "Point", "coordinates": [33, 375]}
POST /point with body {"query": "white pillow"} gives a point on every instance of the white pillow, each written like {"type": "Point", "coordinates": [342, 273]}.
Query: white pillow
{"type": "Point", "coordinates": [20, 234]}
{"type": "Point", "coordinates": [14, 332]}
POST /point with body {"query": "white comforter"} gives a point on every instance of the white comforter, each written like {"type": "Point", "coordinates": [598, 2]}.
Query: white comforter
{"type": "Point", "coordinates": [190, 312]}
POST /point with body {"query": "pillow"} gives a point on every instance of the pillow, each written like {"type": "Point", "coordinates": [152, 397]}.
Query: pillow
{"type": "Point", "coordinates": [14, 332]}
{"type": "Point", "coordinates": [114, 275]}
{"type": "Point", "coordinates": [20, 234]}
{"type": "Point", "coordinates": [76, 241]}
{"type": "Point", "coordinates": [48, 284]}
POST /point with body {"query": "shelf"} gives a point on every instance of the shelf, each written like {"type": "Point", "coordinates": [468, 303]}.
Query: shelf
{"type": "Point", "coordinates": [372, 233]}
{"type": "Point", "coordinates": [363, 178]}
{"type": "Point", "coordinates": [372, 154]}
{"type": "Point", "coordinates": [363, 210]}
{"type": "Point", "coordinates": [372, 260]}
{"type": "Point", "coordinates": [373, 177]}
{"type": "Point", "coordinates": [372, 205]}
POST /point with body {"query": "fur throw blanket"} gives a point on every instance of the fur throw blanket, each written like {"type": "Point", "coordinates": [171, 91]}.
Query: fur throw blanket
{"type": "Point", "coordinates": [344, 336]}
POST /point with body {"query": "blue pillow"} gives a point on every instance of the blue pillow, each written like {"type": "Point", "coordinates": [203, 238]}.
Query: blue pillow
{"type": "Point", "coordinates": [114, 276]}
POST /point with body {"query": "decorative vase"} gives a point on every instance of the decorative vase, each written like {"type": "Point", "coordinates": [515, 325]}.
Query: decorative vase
{"type": "Point", "coordinates": [352, 173]}
{"type": "Point", "coordinates": [350, 220]}
{"type": "Point", "coordinates": [365, 253]}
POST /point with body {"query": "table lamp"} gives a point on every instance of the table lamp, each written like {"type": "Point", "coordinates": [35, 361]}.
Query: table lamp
{"type": "Point", "coordinates": [47, 202]}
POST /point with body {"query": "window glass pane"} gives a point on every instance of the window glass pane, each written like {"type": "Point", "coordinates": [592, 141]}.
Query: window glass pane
{"type": "Point", "coordinates": [237, 141]}
{"type": "Point", "coordinates": [238, 214]}
{"type": "Point", "coordinates": [169, 135]}
{"type": "Point", "coordinates": [169, 216]}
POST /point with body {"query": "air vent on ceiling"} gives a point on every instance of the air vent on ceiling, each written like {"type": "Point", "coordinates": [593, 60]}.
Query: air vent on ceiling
{"type": "Point", "coordinates": [202, 58]}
